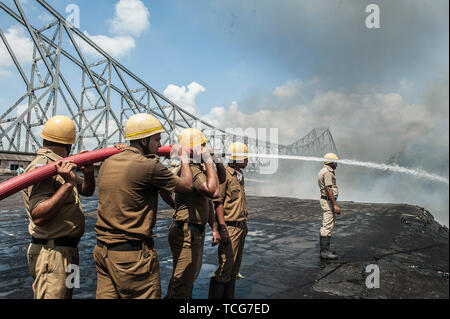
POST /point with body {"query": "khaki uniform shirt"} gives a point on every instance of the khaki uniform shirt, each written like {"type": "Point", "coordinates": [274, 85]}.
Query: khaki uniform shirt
{"type": "Point", "coordinates": [232, 196]}
{"type": "Point", "coordinates": [327, 178]}
{"type": "Point", "coordinates": [128, 185]}
{"type": "Point", "coordinates": [193, 207]}
{"type": "Point", "coordinates": [69, 221]}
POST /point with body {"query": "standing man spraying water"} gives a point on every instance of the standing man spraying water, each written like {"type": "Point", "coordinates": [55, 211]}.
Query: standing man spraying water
{"type": "Point", "coordinates": [328, 197]}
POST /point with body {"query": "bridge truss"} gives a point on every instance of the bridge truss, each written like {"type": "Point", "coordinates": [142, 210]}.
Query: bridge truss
{"type": "Point", "coordinates": [67, 73]}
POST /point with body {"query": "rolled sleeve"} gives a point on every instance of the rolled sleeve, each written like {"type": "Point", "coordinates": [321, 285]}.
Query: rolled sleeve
{"type": "Point", "coordinates": [40, 192]}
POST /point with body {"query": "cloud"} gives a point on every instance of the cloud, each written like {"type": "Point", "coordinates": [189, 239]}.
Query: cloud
{"type": "Point", "coordinates": [21, 45]}
{"type": "Point", "coordinates": [185, 98]}
{"type": "Point", "coordinates": [289, 89]}
{"type": "Point", "coordinates": [117, 47]}
{"type": "Point", "coordinates": [328, 38]}
{"type": "Point", "coordinates": [370, 126]}
{"type": "Point", "coordinates": [377, 127]}
{"type": "Point", "coordinates": [131, 18]}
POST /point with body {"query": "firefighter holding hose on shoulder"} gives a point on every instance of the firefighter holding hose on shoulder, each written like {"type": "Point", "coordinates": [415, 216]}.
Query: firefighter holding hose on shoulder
{"type": "Point", "coordinates": [192, 212]}
{"type": "Point", "coordinates": [56, 220]}
{"type": "Point", "coordinates": [128, 186]}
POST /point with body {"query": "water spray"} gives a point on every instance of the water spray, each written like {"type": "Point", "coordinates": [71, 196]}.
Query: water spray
{"type": "Point", "coordinates": [419, 173]}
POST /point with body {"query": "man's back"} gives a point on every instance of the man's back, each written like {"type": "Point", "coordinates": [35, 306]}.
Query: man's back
{"type": "Point", "coordinates": [128, 185]}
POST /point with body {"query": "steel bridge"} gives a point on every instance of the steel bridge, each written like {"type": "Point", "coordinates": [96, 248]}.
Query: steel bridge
{"type": "Point", "coordinates": [99, 94]}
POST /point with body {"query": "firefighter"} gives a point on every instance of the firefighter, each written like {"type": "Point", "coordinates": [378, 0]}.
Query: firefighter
{"type": "Point", "coordinates": [328, 196]}
{"type": "Point", "coordinates": [231, 215]}
{"type": "Point", "coordinates": [192, 212]}
{"type": "Point", "coordinates": [128, 185]}
{"type": "Point", "coordinates": [56, 219]}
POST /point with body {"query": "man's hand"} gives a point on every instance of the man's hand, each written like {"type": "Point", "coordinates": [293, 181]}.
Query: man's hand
{"type": "Point", "coordinates": [206, 154]}
{"type": "Point", "coordinates": [224, 236]}
{"type": "Point", "coordinates": [121, 146]}
{"type": "Point", "coordinates": [217, 158]}
{"type": "Point", "coordinates": [216, 238]}
{"type": "Point", "coordinates": [202, 154]}
{"type": "Point", "coordinates": [176, 150]}
{"type": "Point", "coordinates": [179, 152]}
{"type": "Point", "coordinates": [336, 209]}
{"type": "Point", "coordinates": [65, 169]}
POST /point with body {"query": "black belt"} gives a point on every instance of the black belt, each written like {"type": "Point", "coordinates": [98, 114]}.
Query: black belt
{"type": "Point", "coordinates": [61, 241]}
{"type": "Point", "coordinates": [130, 245]}
{"type": "Point", "coordinates": [235, 223]}
{"type": "Point", "coordinates": [327, 198]}
{"type": "Point", "coordinates": [193, 227]}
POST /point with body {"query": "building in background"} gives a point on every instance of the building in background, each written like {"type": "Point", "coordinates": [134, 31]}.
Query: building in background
{"type": "Point", "coordinates": [10, 161]}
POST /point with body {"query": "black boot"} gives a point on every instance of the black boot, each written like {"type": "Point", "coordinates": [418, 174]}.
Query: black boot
{"type": "Point", "coordinates": [229, 288]}
{"type": "Point", "coordinates": [325, 252]}
{"type": "Point", "coordinates": [216, 289]}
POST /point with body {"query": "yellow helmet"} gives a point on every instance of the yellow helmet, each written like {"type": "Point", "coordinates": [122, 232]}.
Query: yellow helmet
{"type": "Point", "coordinates": [330, 156]}
{"type": "Point", "coordinates": [191, 137]}
{"type": "Point", "coordinates": [237, 148]}
{"type": "Point", "coordinates": [59, 129]}
{"type": "Point", "coordinates": [142, 125]}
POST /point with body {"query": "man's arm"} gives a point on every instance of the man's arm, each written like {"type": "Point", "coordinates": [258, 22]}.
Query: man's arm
{"type": "Point", "coordinates": [185, 183]}
{"type": "Point", "coordinates": [224, 237]}
{"type": "Point", "coordinates": [211, 187]}
{"type": "Point", "coordinates": [336, 208]}
{"type": "Point", "coordinates": [88, 186]}
{"type": "Point", "coordinates": [213, 224]}
{"type": "Point", "coordinates": [167, 197]}
{"type": "Point", "coordinates": [221, 171]}
{"type": "Point", "coordinates": [45, 210]}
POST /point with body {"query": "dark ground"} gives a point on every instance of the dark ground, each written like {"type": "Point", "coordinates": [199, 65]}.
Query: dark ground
{"type": "Point", "coordinates": [281, 252]}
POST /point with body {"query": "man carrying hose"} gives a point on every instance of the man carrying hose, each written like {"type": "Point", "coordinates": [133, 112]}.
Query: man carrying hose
{"type": "Point", "coordinates": [55, 212]}
{"type": "Point", "coordinates": [128, 185]}
{"type": "Point", "coordinates": [328, 197]}
{"type": "Point", "coordinates": [192, 212]}
{"type": "Point", "coordinates": [231, 214]}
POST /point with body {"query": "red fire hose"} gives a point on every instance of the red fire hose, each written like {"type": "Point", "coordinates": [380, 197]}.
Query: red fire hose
{"type": "Point", "coordinates": [15, 184]}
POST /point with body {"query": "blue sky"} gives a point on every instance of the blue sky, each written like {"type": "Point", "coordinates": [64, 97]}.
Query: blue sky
{"type": "Point", "coordinates": [288, 64]}
{"type": "Point", "coordinates": [262, 60]}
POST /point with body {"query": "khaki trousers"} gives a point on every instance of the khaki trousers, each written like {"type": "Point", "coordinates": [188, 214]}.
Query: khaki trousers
{"type": "Point", "coordinates": [230, 255]}
{"type": "Point", "coordinates": [127, 274]}
{"type": "Point", "coordinates": [187, 252]}
{"type": "Point", "coordinates": [328, 217]}
{"type": "Point", "coordinates": [48, 265]}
